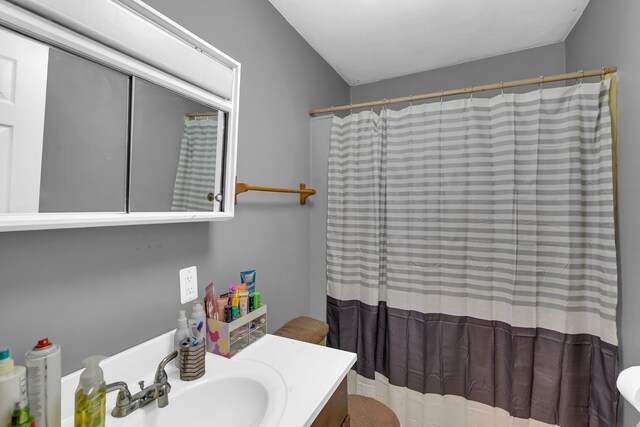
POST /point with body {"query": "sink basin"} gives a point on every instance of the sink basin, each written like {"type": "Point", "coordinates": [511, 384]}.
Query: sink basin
{"type": "Point", "coordinates": [249, 398]}
{"type": "Point", "coordinates": [269, 384]}
{"type": "Point", "coordinates": [250, 394]}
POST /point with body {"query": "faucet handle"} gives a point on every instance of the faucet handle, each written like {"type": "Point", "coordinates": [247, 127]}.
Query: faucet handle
{"type": "Point", "coordinates": [161, 375]}
{"type": "Point", "coordinates": [124, 396]}
{"type": "Point", "coordinates": [141, 384]}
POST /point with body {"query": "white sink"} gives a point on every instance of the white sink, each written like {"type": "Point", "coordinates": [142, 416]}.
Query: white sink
{"type": "Point", "coordinates": [251, 394]}
{"type": "Point", "coordinates": [275, 382]}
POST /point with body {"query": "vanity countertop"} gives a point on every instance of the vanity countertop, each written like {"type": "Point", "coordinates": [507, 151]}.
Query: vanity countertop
{"type": "Point", "coordinates": [310, 373]}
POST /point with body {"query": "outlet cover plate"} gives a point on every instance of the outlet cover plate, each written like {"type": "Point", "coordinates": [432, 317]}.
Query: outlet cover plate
{"type": "Point", "coordinates": [188, 284]}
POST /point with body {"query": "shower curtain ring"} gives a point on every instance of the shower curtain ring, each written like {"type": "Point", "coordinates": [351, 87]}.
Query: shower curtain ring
{"type": "Point", "coordinates": [471, 93]}
{"type": "Point", "coordinates": [581, 77]}
{"type": "Point", "coordinates": [410, 100]}
{"type": "Point", "coordinates": [540, 84]}
{"type": "Point", "coordinates": [502, 89]}
{"type": "Point", "coordinates": [603, 74]}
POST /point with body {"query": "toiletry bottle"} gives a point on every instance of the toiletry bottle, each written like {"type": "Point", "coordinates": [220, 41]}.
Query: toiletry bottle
{"type": "Point", "coordinates": [252, 302]}
{"type": "Point", "coordinates": [257, 303]}
{"type": "Point", "coordinates": [211, 302]}
{"type": "Point", "coordinates": [91, 395]}
{"type": "Point", "coordinates": [44, 372]}
{"type": "Point", "coordinates": [181, 333]}
{"type": "Point", "coordinates": [243, 302]}
{"type": "Point", "coordinates": [222, 302]}
{"type": "Point", "coordinates": [235, 301]}
{"type": "Point", "coordinates": [197, 316]}
{"type": "Point", "coordinates": [13, 386]}
{"type": "Point", "coordinates": [21, 416]}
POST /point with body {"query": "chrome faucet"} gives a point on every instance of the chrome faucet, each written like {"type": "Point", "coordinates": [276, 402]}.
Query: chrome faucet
{"type": "Point", "coordinates": [159, 390]}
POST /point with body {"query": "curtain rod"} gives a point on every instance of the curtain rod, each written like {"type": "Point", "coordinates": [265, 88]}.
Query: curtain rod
{"type": "Point", "coordinates": [204, 114]}
{"type": "Point", "coordinates": [468, 90]}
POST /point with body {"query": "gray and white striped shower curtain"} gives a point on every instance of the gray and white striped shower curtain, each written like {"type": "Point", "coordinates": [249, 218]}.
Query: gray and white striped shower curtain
{"type": "Point", "coordinates": [471, 258]}
{"type": "Point", "coordinates": [196, 174]}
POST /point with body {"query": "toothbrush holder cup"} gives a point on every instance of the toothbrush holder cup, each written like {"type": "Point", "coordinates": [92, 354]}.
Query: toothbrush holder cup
{"type": "Point", "coordinates": [191, 360]}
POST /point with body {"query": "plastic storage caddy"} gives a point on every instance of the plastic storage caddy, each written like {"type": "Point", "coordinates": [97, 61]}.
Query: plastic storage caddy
{"type": "Point", "coordinates": [227, 339]}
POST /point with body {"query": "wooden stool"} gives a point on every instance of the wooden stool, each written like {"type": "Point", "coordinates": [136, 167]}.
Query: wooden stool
{"type": "Point", "coordinates": [304, 329]}
{"type": "Point", "coordinates": [368, 412]}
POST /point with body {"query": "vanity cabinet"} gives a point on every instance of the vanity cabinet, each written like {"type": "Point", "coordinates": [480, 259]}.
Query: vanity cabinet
{"type": "Point", "coordinates": [336, 412]}
{"type": "Point", "coordinates": [112, 114]}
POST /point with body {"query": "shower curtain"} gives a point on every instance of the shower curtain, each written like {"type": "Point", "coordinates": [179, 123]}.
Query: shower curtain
{"type": "Point", "coordinates": [196, 176]}
{"type": "Point", "coordinates": [471, 259]}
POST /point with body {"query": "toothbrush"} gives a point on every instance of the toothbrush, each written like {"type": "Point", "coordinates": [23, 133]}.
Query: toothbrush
{"type": "Point", "coordinates": [195, 337]}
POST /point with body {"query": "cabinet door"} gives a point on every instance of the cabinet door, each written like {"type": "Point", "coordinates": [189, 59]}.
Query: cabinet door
{"type": "Point", "coordinates": [336, 412]}
{"type": "Point", "coordinates": [22, 104]}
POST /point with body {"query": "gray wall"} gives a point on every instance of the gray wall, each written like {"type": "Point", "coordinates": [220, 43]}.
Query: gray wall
{"type": "Point", "coordinates": [608, 34]}
{"type": "Point", "coordinates": [99, 291]}
{"type": "Point", "coordinates": [513, 66]}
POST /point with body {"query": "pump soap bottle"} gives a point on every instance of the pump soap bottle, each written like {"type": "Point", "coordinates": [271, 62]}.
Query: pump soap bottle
{"type": "Point", "coordinates": [91, 395]}
{"type": "Point", "coordinates": [182, 333]}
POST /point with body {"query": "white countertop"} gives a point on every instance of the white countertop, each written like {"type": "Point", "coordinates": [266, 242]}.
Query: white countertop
{"type": "Point", "coordinates": [310, 372]}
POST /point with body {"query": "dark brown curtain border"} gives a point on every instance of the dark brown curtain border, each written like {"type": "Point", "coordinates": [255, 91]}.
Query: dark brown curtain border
{"type": "Point", "coordinates": [563, 379]}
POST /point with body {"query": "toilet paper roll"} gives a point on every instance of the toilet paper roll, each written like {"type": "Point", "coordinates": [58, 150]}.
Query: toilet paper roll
{"type": "Point", "coordinates": [629, 385]}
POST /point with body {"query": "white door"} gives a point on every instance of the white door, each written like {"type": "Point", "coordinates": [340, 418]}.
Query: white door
{"type": "Point", "coordinates": [23, 87]}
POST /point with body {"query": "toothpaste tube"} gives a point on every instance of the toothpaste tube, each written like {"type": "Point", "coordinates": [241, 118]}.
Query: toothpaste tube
{"type": "Point", "coordinates": [249, 277]}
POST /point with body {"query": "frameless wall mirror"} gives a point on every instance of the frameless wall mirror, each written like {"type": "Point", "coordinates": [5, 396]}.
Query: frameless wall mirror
{"type": "Point", "coordinates": [109, 116]}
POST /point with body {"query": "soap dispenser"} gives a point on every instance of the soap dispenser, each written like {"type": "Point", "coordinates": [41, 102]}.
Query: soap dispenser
{"type": "Point", "coordinates": [182, 332]}
{"type": "Point", "coordinates": [91, 395]}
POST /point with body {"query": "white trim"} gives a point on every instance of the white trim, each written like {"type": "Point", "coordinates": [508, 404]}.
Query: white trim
{"type": "Point", "coordinates": [42, 29]}
{"type": "Point", "coordinates": [45, 221]}
{"type": "Point", "coordinates": [176, 29]}
{"type": "Point", "coordinates": [14, 16]}
{"type": "Point", "coordinates": [155, 40]}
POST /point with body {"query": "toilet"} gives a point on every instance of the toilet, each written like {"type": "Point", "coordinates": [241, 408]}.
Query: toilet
{"type": "Point", "coordinates": [363, 411]}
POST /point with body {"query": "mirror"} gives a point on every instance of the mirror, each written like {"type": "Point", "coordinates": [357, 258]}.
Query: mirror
{"type": "Point", "coordinates": [84, 149]}
{"type": "Point", "coordinates": [176, 144]}
{"type": "Point", "coordinates": [176, 152]}
{"type": "Point", "coordinates": [64, 138]}
{"type": "Point", "coordinates": [98, 126]}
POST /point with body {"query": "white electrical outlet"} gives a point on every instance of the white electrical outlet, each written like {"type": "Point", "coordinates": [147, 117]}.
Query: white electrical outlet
{"type": "Point", "coordinates": [188, 284]}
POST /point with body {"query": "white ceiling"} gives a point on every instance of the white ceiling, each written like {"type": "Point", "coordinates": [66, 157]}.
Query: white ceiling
{"type": "Point", "coordinates": [370, 40]}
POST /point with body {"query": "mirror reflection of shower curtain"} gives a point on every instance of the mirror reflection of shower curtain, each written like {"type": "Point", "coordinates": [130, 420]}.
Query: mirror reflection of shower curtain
{"type": "Point", "coordinates": [196, 174]}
